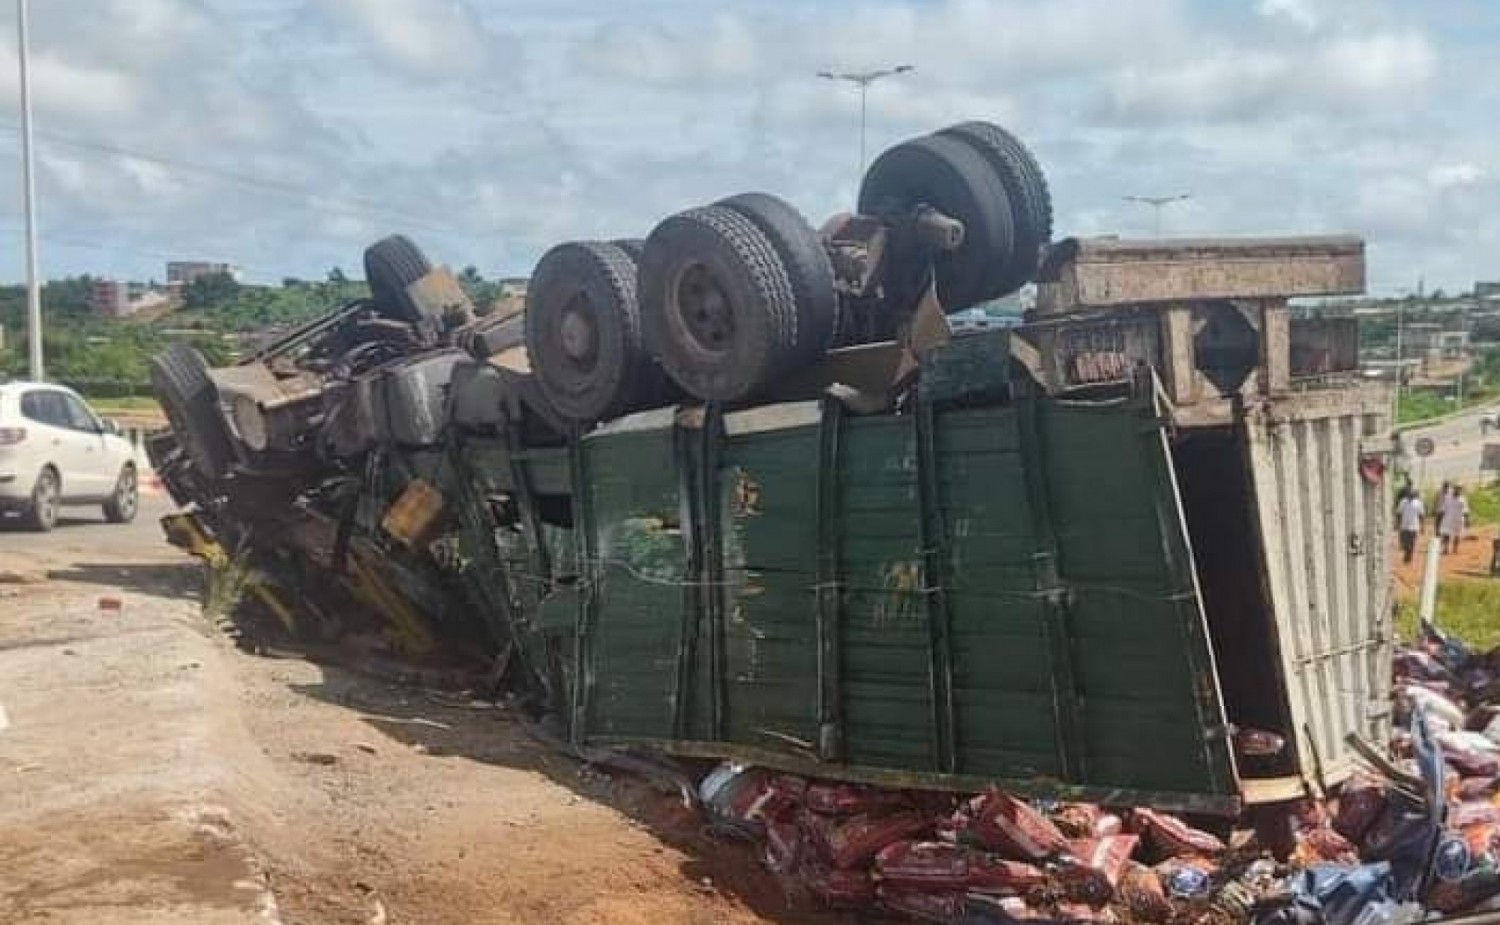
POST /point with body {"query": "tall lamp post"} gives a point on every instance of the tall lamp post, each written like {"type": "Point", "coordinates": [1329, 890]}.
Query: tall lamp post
{"type": "Point", "coordinates": [1157, 203]}
{"type": "Point", "coordinates": [28, 171]}
{"type": "Point", "coordinates": [862, 80]}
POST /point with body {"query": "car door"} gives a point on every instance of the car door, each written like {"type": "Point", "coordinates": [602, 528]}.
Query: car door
{"type": "Point", "coordinates": [96, 469]}
{"type": "Point", "coordinates": [57, 444]}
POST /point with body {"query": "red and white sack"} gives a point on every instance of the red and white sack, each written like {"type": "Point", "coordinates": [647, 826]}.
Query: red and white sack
{"type": "Point", "coordinates": [854, 841]}
{"type": "Point", "coordinates": [1171, 837]}
{"type": "Point", "coordinates": [1009, 826]}
{"type": "Point", "coordinates": [929, 865]}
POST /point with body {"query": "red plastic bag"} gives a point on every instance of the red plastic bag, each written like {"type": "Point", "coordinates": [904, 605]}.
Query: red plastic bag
{"type": "Point", "coordinates": [1141, 892]}
{"type": "Point", "coordinates": [943, 907]}
{"type": "Point", "coordinates": [1010, 826]}
{"type": "Point", "coordinates": [846, 843]}
{"type": "Point", "coordinates": [1172, 837]}
{"type": "Point", "coordinates": [919, 865]}
{"type": "Point", "coordinates": [837, 887]}
{"type": "Point", "coordinates": [830, 799]}
{"type": "Point", "coordinates": [784, 841]}
{"type": "Point", "coordinates": [1094, 867]}
{"type": "Point", "coordinates": [1361, 802]}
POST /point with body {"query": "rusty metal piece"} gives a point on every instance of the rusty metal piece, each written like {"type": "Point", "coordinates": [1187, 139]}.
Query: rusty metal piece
{"type": "Point", "coordinates": [415, 516]}
{"type": "Point", "coordinates": [1083, 273]}
{"type": "Point", "coordinates": [938, 230]}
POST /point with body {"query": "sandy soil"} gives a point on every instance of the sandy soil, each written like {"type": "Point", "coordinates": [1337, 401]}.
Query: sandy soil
{"type": "Point", "coordinates": [150, 773]}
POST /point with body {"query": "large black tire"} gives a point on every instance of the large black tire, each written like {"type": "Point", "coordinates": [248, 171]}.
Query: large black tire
{"type": "Point", "coordinates": [583, 333]}
{"type": "Point", "coordinates": [953, 178]}
{"type": "Point", "coordinates": [1026, 187]}
{"type": "Point", "coordinates": [391, 265]}
{"type": "Point", "coordinates": [179, 376]}
{"type": "Point", "coordinates": [631, 246]}
{"type": "Point", "coordinates": [717, 304]}
{"type": "Point", "coordinates": [46, 496]}
{"type": "Point", "coordinates": [807, 265]}
{"type": "Point", "coordinates": [122, 506]}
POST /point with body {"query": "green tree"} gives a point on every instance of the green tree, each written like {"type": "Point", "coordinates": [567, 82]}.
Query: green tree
{"type": "Point", "coordinates": [336, 276]}
{"type": "Point", "coordinates": [210, 290]}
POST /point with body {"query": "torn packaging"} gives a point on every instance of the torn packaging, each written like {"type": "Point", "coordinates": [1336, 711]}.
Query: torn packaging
{"type": "Point", "coordinates": [856, 840]}
{"type": "Point", "coordinates": [944, 865]}
{"type": "Point", "coordinates": [1093, 867]}
{"type": "Point", "coordinates": [1009, 826]}
{"type": "Point", "coordinates": [1172, 837]}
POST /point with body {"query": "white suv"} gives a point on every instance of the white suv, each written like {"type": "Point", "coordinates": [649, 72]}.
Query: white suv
{"type": "Point", "coordinates": [55, 450]}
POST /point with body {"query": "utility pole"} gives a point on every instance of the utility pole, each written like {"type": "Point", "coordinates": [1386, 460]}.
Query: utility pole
{"type": "Point", "coordinates": [28, 171]}
{"type": "Point", "coordinates": [862, 80]}
{"type": "Point", "coordinates": [1157, 203]}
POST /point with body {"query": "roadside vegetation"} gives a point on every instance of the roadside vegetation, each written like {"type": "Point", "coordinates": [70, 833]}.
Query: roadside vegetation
{"type": "Point", "coordinates": [106, 358]}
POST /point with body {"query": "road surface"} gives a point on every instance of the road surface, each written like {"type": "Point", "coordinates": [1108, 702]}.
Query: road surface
{"type": "Point", "coordinates": [1458, 443]}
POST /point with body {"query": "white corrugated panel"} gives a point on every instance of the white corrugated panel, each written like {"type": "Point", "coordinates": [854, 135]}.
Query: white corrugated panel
{"type": "Point", "coordinates": [1324, 531]}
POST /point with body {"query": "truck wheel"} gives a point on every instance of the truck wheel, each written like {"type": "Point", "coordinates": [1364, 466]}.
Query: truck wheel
{"type": "Point", "coordinates": [953, 178]}
{"type": "Point", "coordinates": [631, 246]}
{"type": "Point", "coordinates": [807, 266]}
{"type": "Point", "coordinates": [179, 376]}
{"type": "Point", "coordinates": [123, 504]}
{"type": "Point", "coordinates": [46, 495]}
{"type": "Point", "coordinates": [583, 332]}
{"type": "Point", "coordinates": [1025, 186]}
{"type": "Point", "coordinates": [391, 265]}
{"type": "Point", "coordinates": [717, 304]}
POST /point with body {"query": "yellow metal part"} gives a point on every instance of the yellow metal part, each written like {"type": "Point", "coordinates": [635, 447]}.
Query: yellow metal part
{"type": "Point", "coordinates": [186, 532]}
{"type": "Point", "coordinates": [369, 586]}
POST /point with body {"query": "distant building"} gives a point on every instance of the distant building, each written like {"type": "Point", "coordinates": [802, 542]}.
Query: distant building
{"type": "Point", "coordinates": [514, 287]}
{"type": "Point", "coordinates": [113, 298]}
{"type": "Point", "coordinates": [110, 298]}
{"type": "Point", "coordinates": [186, 271]}
{"type": "Point", "coordinates": [1487, 290]}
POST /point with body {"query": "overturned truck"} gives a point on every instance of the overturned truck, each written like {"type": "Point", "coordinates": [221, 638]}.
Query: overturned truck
{"type": "Point", "coordinates": [737, 491]}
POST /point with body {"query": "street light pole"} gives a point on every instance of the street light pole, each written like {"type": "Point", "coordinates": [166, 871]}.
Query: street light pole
{"type": "Point", "coordinates": [28, 171]}
{"type": "Point", "coordinates": [862, 80]}
{"type": "Point", "coordinates": [1157, 203]}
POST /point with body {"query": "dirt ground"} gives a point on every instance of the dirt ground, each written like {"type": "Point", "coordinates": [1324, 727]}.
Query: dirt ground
{"type": "Point", "coordinates": [1470, 560]}
{"type": "Point", "coordinates": [151, 773]}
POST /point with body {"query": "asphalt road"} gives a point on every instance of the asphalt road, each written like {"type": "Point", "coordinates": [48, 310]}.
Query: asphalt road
{"type": "Point", "coordinates": [1457, 446]}
{"type": "Point", "coordinates": [83, 529]}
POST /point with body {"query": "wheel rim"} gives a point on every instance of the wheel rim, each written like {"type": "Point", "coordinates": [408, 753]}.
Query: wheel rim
{"type": "Point", "coordinates": [578, 333]}
{"type": "Point", "coordinates": [129, 494]}
{"type": "Point", "coordinates": [701, 310]}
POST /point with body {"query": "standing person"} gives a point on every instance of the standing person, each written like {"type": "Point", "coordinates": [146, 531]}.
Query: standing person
{"type": "Point", "coordinates": [1453, 513]}
{"type": "Point", "coordinates": [1409, 514]}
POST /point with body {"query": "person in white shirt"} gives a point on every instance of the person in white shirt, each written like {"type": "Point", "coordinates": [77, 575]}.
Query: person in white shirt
{"type": "Point", "coordinates": [1409, 514]}
{"type": "Point", "coordinates": [1453, 514]}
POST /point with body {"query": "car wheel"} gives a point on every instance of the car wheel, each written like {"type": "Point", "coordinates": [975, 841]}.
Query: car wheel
{"type": "Point", "coordinates": [391, 265]}
{"type": "Point", "coordinates": [123, 504]}
{"type": "Point", "coordinates": [46, 496]}
{"type": "Point", "coordinates": [951, 176]}
{"type": "Point", "coordinates": [717, 304]}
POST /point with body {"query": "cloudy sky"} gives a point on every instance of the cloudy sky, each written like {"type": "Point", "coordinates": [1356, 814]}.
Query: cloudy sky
{"type": "Point", "coordinates": [283, 135]}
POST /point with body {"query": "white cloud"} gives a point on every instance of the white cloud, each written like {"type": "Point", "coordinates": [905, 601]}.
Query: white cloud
{"type": "Point", "coordinates": [431, 38]}
{"type": "Point", "coordinates": [1447, 176]}
{"type": "Point", "coordinates": [1301, 13]}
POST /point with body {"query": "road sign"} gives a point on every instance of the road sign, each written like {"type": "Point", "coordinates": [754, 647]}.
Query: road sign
{"type": "Point", "coordinates": [1489, 457]}
{"type": "Point", "coordinates": [1424, 446]}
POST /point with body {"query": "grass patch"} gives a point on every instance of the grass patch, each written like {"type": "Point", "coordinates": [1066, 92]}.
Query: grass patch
{"type": "Point", "coordinates": [1468, 608]}
{"type": "Point", "coordinates": [108, 406]}
{"type": "Point", "coordinates": [1421, 405]}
